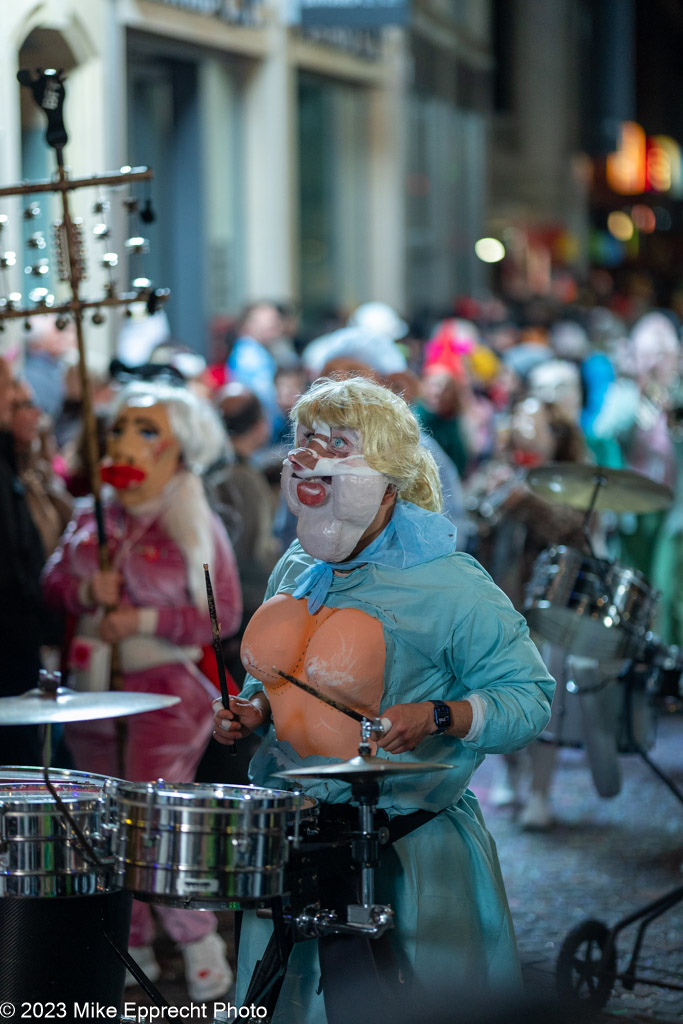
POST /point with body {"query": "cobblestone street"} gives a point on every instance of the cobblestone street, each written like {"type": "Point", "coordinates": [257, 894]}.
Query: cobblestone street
{"type": "Point", "coordinates": [603, 859]}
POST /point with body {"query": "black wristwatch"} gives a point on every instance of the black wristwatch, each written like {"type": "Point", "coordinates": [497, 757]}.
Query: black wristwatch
{"type": "Point", "coordinates": [442, 716]}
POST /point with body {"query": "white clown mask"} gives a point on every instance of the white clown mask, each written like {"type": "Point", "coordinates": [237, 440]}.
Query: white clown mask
{"type": "Point", "coordinates": [331, 489]}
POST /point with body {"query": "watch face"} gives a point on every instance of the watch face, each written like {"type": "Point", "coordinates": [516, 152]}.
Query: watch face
{"type": "Point", "coordinates": [442, 716]}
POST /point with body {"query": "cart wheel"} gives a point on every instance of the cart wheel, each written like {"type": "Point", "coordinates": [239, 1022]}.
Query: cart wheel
{"type": "Point", "coordinates": [584, 981]}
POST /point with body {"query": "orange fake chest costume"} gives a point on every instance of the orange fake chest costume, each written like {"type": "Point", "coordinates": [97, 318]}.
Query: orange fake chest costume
{"type": "Point", "coordinates": [414, 620]}
{"type": "Point", "coordinates": [338, 651]}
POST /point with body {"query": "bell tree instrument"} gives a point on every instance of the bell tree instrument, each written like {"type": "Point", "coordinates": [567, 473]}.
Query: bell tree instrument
{"type": "Point", "coordinates": [47, 88]}
{"type": "Point", "coordinates": [48, 92]}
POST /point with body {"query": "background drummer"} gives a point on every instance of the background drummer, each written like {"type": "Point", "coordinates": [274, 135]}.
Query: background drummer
{"type": "Point", "coordinates": [151, 604]}
{"type": "Point", "coordinates": [541, 427]}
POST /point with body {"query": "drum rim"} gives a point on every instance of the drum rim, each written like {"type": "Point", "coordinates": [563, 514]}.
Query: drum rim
{"type": "Point", "coordinates": [185, 790]}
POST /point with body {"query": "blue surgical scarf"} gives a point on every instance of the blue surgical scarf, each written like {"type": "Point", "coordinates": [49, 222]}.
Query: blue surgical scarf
{"type": "Point", "coordinates": [411, 537]}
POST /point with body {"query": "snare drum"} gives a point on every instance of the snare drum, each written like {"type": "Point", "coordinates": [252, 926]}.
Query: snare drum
{"type": "Point", "coordinates": [204, 846]}
{"type": "Point", "coordinates": [40, 853]}
{"type": "Point", "coordinates": [589, 606]}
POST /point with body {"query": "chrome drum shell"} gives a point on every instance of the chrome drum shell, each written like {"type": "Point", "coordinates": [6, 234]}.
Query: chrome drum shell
{"type": "Point", "coordinates": [591, 607]}
{"type": "Point", "coordinates": [204, 846]}
{"type": "Point", "coordinates": [41, 854]}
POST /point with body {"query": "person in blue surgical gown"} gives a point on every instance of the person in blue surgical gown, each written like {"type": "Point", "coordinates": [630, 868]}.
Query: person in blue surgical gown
{"type": "Point", "coordinates": [374, 606]}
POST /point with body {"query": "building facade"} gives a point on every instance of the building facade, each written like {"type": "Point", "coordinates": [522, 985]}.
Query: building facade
{"type": "Point", "coordinates": [327, 165]}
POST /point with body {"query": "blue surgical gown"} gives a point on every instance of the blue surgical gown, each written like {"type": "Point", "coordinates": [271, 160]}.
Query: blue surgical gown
{"type": "Point", "coordinates": [449, 632]}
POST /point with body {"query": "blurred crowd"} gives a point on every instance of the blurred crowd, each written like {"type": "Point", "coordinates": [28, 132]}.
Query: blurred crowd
{"type": "Point", "coordinates": [498, 387]}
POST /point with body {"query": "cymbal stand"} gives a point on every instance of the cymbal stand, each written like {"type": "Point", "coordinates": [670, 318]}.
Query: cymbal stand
{"type": "Point", "coordinates": [365, 920]}
{"type": "Point", "coordinates": [49, 683]}
{"type": "Point", "coordinates": [602, 564]}
{"type": "Point", "coordinates": [600, 482]}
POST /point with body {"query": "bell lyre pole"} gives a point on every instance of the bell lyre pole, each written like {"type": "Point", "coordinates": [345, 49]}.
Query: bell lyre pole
{"type": "Point", "coordinates": [48, 92]}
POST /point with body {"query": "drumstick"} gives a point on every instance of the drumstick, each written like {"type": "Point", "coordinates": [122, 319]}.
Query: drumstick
{"type": "Point", "coordinates": [217, 649]}
{"type": "Point", "coordinates": [337, 705]}
{"type": "Point", "coordinates": [216, 634]}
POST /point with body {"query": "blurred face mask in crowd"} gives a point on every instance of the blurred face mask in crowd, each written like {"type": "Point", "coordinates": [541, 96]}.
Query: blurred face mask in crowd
{"type": "Point", "coordinates": [531, 440]}
{"type": "Point", "coordinates": [334, 493]}
{"type": "Point", "coordinates": [142, 453]}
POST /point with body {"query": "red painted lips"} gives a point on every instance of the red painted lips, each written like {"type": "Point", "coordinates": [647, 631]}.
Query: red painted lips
{"type": "Point", "coordinates": [121, 477]}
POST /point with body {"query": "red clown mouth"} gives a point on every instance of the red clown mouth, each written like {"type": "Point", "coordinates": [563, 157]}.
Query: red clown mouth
{"type": "Point", "coordinates": [311, 492]}
{"type": "Point", "coordinates": [121, 477]}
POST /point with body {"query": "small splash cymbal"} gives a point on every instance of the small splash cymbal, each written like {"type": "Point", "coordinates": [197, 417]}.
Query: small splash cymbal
{"type": "Point", "coordinates": [620, 490]}
{"type": "Point", "coordinates": [38, 706]}
{"type": "Point", "coordinates": [360, 766]}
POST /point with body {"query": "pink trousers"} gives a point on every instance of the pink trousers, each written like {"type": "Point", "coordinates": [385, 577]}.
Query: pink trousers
{"type": "Point", "coordinates": [166, 744]}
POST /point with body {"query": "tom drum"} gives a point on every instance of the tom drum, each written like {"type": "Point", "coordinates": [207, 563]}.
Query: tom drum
{"type": "Point", "coordinates": [204, 846]}
{"type": "Point", "coordinates": [592, 607]}
{"type": "Point", "coordinates": [41, 854]}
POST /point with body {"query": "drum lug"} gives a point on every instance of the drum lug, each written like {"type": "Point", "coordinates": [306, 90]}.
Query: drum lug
{"type": "Point", "coordinates": [242, 844]}
{"type": "Point", "coordinates": [149, 838]}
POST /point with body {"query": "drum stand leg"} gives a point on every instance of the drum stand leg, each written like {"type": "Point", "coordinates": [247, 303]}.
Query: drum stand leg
{"type": "Point", "coordinates": [269, 973]}
{"type": "Point", "coordinates": [658, 771]}
{"type": "Point", "coordinates": [666, 779]}
{"type": "Point", "coordinates": [137, 972]}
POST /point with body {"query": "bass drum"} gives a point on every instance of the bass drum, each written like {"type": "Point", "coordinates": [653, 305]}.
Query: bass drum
{"type": "Point", "coordinates": [589, 606]}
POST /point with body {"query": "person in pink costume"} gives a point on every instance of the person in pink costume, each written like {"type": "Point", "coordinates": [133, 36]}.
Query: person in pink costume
{"type": "Point", "coordinates": [152, 605]}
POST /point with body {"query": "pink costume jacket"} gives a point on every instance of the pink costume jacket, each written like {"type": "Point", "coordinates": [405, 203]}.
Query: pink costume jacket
{"type": "Point", "coordinates": [167, 743]}
{"type": "Point", "coordinates": [163, 656]}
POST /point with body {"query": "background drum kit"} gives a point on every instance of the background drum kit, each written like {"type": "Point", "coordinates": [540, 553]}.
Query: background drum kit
{"type": "Point", "coordinates": [601, 615]}
{"type": "Point", "coordinates": [76, 847]}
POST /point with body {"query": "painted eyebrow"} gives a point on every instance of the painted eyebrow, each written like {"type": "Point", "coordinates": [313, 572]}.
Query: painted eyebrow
{"type": "Point", "coordinates": [140, 421]}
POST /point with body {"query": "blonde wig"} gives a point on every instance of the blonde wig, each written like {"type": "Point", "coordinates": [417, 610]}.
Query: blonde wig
{"type": "Point", "coordinates": [390, 432]}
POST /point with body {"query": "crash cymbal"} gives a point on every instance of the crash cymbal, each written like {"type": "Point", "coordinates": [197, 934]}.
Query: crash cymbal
{"type": "Point", "coordinates": [368, 766]}
{"type": "Point", "coordinates": [64, 705]}
{"type": "Point", "coordinates": [621, 490]}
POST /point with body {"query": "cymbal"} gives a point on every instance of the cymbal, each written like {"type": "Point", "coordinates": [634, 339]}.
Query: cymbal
{"type": "Point", "coordinates": [359, 767]}
{"type": "Point", "coordinates": [64, 705]}
{"type": "Point", "coordinates": [621, 490]}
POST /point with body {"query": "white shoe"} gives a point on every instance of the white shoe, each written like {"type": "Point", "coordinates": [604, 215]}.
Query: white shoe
{"type": "Point", "coordinates": [537, 815]}
{"type": "Point", "coordinates": [207, 972]}
{"type": "Point", "coordinates": [503, 795]}
{"type": "Point", "coordinates": [507, 788]}
{"type": "Point", "coordinates": [144, 956]}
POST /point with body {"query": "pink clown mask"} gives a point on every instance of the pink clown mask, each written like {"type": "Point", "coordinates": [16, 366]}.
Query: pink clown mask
{"type": "Point", "coordinates": [142, 452]}
{"type": "Point", "coordinates": [331, 489]}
